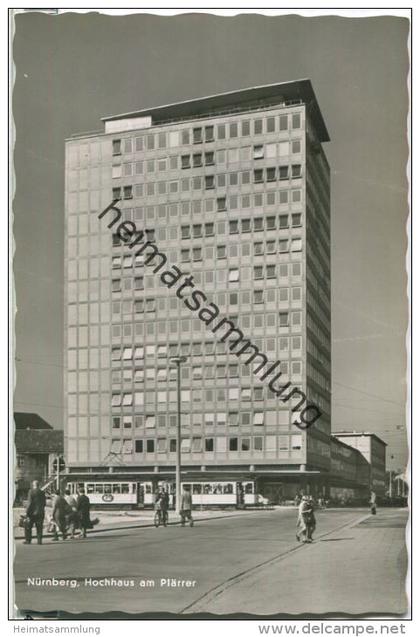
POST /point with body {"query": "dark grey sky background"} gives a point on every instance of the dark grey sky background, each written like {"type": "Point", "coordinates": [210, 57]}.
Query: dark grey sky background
{"type": "Point", "coordinates": [72, 69]}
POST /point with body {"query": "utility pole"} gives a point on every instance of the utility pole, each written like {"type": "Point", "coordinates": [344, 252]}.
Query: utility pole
{"type": "Point", "coordinates": [177, 361]}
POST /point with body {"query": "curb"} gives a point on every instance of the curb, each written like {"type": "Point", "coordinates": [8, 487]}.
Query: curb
{"type": "Point", "coordinates": [144, 526]}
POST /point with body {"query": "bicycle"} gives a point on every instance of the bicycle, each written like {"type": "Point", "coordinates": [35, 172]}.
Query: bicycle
{"type": "Point", "coordinates": [161, 517]}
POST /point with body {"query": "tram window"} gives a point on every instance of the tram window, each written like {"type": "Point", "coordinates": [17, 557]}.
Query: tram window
{"type": "Point", "coordinates": [90, 488]}
{"type": "Point", "coordinates": [187, 487]}
{"type": "Point", "coordinates": [99, 488]}
{"type": "Point", "coordinates": [218, 489]}
{"type": "Point", "coordinates": [116, 488]}
{"type": "Point", "coordinates": [125, 488]}
{"type": "Point", "coordinates": [133, 487]}
{"type": "Point", "coordinates": [107, 488]}
{"type": "Point", "coordinates": [249, 487]}
{"type": "Point", "coordinates": [148, 487]}
{"type": "Point", "coordinates": [197, 488]}
{"type": "Point", "coordinates": [228, 488]}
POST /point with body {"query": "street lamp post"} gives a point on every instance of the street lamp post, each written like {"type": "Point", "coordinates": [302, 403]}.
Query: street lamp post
{"type": "Point", "coordinates": [177, 361]}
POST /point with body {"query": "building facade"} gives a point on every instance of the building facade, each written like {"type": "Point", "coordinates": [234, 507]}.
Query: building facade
{"type": "Point", "coordinates": [373, 449]}
{"type": "Point", "coordinates": [234, 191]}
{"type": "Point", "coordinates": [37, 447]}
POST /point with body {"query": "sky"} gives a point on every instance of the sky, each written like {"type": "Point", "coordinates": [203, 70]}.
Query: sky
{"type": "Point", "coordinates": [72, 69]}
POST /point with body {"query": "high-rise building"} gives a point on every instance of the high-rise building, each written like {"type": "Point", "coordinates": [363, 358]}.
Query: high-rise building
{"type": "Point", "coordinates": [232, 190]}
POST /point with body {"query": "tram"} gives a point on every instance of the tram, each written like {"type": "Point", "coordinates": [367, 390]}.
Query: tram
{"type": "Point", "coordinates": [142, 494]}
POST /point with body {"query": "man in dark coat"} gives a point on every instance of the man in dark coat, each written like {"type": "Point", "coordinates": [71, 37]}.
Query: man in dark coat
{"type": "Point", "coordinates": [83, 511]}
{"type": "Point", "coordinates": [61, 514]}
{"type": "Point", "coordinates": [186, 506]}
{"type": "Point", "coordinates": [35, 512]}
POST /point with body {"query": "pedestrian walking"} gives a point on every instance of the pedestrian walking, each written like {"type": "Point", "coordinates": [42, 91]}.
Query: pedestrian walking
{"type": "Point", "coordinates": [72, 515]}
{"type": "Point", "coordinates": [165, 507]}
{"type": "Point", "coordinates": [186, 506]}
{"type": "Point", "coordinates": [302, 520]}
{"type": "Point", "coordinates": [372, 502]}
{"type": "Point", "coordinates": [61, 513]}
{"type": "Point", "coordinates": [83, 512]}
{"type": "Point", "coordinates": [35, 512]}
{"type": "Point", "coordinates": [311, 521]}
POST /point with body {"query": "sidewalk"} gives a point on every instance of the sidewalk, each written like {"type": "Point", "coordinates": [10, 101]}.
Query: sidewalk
{"type": "Point", "coordinates": [357, 569]}
{"type": "Point", "coordinates": [116, 520]}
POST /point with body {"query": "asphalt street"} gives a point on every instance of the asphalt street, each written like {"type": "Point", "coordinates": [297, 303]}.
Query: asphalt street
{"type": "Point", "coordinates": [171, 569]}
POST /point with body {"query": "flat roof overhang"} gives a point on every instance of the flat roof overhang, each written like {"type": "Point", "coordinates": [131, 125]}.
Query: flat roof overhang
{"type": "Point", "coordinates": [296, 89]}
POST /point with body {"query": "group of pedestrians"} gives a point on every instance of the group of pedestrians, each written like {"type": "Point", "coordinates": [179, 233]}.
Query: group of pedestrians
{"type": "Point", "coordinates": [70, 515]}
{"type": "Point", "coordinates": [306, 522]}
{"type": "Point", "coordinates": [162, 507]}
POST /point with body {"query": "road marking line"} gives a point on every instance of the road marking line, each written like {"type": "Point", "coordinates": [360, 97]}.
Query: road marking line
{"type": "Point", "coordinates": [235, 579]}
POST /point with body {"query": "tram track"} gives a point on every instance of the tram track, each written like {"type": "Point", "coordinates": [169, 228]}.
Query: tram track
{"type": "Point", "coordinates": [199, 604]}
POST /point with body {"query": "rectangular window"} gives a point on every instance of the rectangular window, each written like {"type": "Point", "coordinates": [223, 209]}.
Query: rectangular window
{"type": "Point", "coordinates": [128, 192]}
{"type": "Point", "coordinates": [283, 319]}
{"type": "Point", "coordinates": [296, 171]}
{"type": "Point", "coordinates": [221, 131]}
{"type": "Point", "coordinates": [246, 130]}
{"type": "Point", "coordinates": [116, 171]}
{"type": "Point", "coordinates": [209, 133]}
{"type": "Point", "coordinates": [271, 124]}
{"type": "Point", "coordinates": [209, 159]}
{"type": "Point", "coordinates": [296, 219]}
{"type": "Point", "coordinates": [221, 252]}
{"type": "Point", "coordinates": [185, 161]}
{"type": "Point", "coordinates": [283, 172]}
{"type": "Point", "coordinates": [296, 441]}
{"type": "Point", "coordinates": [233, 444]}
{"type": "Point", "coordinates": [270, 223]}
{"type": "Point", "coordinates": [233, 276]}
{"type": "Point", "coordinates": [271, 174]}
{"type": "Point", "coordinates": [197, 160]}
{"type": "Point", "coordinates": [221, 204]}
{"type": "Point", "coordinates": [209, 229]}
{"type": "Point", "coordinates": [258, 443]}
{"type": "Point", "coordinates": [258, 127]}
{"type": "Point", "coordinates": [209, 180]}
{"type": "Point", "coordinates": [197, 135]}
{"type": "Point", "coordinates": [258, 176]}
{"type": "Point", "coordinates": [233, 130]}
{"type": "Point", "coordinates": [258, 152]}
{"type": "Point", "coordinates": [296, 146]}
{"type": "Point", "coordinates": [296, 120]}
{"type": "Point", "coordinates": [138, 446]}
{"type": "Point", "coordinates": [284, 122]}
{"type": "Point", "coordinates": [296, 245]}
{"type": "Point", "coordinates": [116, 147]}
{"type": "Point", "coordinates": [150, 446]}
{"type": "Point", "coordinates": [284, 221]}
{"type": "Point", "coordinates": [209, 444]}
